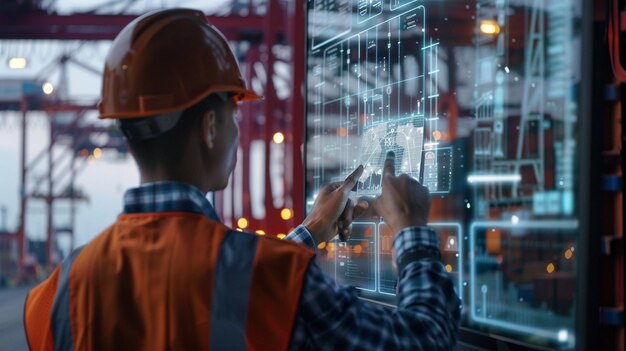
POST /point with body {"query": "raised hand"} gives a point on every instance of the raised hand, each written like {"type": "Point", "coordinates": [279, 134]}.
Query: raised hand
{"type": "Point", "coordinates": [404, 202]}
{"type": "Point", "coordinates": [333, 210]}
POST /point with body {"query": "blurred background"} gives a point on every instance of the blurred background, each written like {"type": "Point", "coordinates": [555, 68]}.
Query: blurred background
{"type": "Point", "coordinates": [64, 172]}
{"type": "Point", "coordinates": [485, 81]}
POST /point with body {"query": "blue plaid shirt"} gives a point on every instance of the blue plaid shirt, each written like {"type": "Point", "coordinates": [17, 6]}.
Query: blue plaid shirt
{"type": "Point", "coordinates": [332, 317]}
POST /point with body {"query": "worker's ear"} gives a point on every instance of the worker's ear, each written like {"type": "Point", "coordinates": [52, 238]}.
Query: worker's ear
{"type": "Point", "coordinates": [209, 128]}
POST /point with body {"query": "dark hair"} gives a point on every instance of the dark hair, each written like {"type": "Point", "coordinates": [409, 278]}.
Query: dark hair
{"type": "Point", "coordinates": [167, 146]}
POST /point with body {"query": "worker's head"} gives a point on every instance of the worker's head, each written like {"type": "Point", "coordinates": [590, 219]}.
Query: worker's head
{"type": "Point", "coordinates": [200, 147]}
{"type": "Point", "coordinates": [173, 83]}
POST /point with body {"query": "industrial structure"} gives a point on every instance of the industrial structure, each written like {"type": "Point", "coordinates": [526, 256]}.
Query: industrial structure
{"type": "Point", "coordinates": [257, 31]}
{"type": "Point", "coordinates": [499, 108]}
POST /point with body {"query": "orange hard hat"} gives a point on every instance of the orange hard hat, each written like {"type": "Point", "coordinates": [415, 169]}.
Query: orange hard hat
{"type": "Point", "coordinates": [167, 61]}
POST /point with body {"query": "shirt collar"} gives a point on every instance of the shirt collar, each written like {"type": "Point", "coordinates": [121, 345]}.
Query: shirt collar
{"type": "Point", "coordinates": [168, 196]}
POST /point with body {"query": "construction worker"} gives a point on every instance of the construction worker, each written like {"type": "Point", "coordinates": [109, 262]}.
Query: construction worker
{"type": "Point", "coordinates": [167, 275]}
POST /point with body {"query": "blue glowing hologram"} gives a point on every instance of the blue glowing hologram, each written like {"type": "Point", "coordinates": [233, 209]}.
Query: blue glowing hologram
{"type": "Point", "coordinates": [522, 303]}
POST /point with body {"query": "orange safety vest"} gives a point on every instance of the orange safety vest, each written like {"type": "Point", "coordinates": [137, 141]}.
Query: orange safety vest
{"type": "Point", "coordinates": [170, 281]}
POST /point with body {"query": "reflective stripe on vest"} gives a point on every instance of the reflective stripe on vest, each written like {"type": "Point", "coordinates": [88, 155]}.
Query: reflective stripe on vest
{"type": "Point", "coordinates": [171, 281]}
{"type": "Point", "coordinates": [231, 290]}
{"type": "Point", "coordinates": [61, 326]}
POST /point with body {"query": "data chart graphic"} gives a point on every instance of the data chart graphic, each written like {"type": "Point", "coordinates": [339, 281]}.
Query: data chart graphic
{"type": "Point", "coordinates": [329, 19]}
{"type": "Point", "coordinates": [406, 141]}
{"type": "Point", "coordinates": [479, 102]}
{"type": "Point", "coordinates": [396, 4]}
{"type": "Point", "coordinates": [376, 91]}
{"type": "Point", "coordinates": [451, 247]}
{"type": "Point", "coordinates": [368, 9]}
{"type": "Point", "coordinates": [524, 299]}
{"type": "Point", "coordinates": [388, 277]}
{"type": "Point", "coordinates": [374, 82]}
{"type": "Point", "coordinates": [365, 261]}
{"type": "Point", "coordinates": [355, 258]}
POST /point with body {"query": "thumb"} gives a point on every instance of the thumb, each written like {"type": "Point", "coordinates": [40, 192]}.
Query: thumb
{"type": "Point", "coordinates": [364, 208]}
{"type": "Point", "coordinates": [360, 208]}
{"type": "Point", "coordinates": [376, 205]}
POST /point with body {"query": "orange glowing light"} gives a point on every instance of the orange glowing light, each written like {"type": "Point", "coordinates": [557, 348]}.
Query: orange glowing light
{"type": "Point", "coordinates": [494, 241]}
{"type": "Point", "coordinates": [489, 26]}
{"type": "Point", "coordinates": [368, 232]}
{"type": "Point", "coordinates": [448, 268]}
{"type": "Point", "coordinates": [242, 223]}
{"type": "Point", "coordinates": [568, 254]}
{"type": "Point", "coordinates": [365, 244]}
{"type": "Point", "coordinates": [286, 213]}
{"type": "Point", "coordinates": [550, 268]}
{"type": "Point", "coordinates": [97, 152]}
{"type": "Point", "coordinates": [321, 245]}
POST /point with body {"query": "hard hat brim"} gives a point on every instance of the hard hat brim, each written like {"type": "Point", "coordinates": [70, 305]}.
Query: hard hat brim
{"type": "Point", "coordinates": [241, 95]}
{"type": "Point", "coordinates": [247, 96]}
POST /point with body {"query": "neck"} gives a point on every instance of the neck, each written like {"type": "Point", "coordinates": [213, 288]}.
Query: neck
{"type": "Point", "coordinates": [189, 175]}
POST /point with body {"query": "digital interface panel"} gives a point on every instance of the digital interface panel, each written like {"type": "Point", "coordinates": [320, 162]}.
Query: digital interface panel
{"type": "Point", "coordinates": [479, 101]}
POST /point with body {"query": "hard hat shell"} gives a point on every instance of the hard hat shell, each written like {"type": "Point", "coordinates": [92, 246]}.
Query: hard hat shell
{"type": "Point", "coordinates": [167, 61]}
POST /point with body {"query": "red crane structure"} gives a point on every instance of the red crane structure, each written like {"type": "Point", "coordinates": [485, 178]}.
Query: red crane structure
{"type": "Point", "coordinates": [268, 36]}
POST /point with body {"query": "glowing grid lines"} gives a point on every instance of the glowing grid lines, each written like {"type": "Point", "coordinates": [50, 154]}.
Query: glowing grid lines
{"type": "Point", "coordinates": [342, 263]}
{"type": "Point", "coordinates": [368, 9]}
{"type": "Point", "coordinates": [371, 79]}
{"type": "Point", "coordinates": [328, 20]}
{"type": "Point", "coordinates": [396, 4]}
{"type": "Point", "coordinates": [459, 249]}
{"type": "Point", "coordinates": [437, 169]}
{"type": "Point", "coordinates": [373, 67]}
{"type": "Point", "coordinates": [554, 225]}
{"type": "Point", "coordinates": [405, 140]}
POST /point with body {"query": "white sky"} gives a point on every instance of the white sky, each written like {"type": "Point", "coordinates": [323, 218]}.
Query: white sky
{"type": "Point", "coordinates": [105, 180]}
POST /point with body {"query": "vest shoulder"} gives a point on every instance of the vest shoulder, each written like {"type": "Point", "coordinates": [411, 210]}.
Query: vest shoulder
{"type": "Point", "coordinates": [278, 247]}
{"type": "Point", "coordinates": [186, 221]}
{"type": "Point", "coordinates": [130, 233]}
{"type": "Point", "coordinates": [185, 217]}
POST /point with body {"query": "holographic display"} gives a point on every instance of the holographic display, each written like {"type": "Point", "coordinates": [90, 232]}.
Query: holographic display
{"type": "Point", "coordinates": [406, 141]}
{"type": "Point", "coordinates": [355, 262]}
{"type": "Point", "coordinates": [479, 100]}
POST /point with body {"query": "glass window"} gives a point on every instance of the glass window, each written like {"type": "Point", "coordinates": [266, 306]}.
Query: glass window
{"type": "Point", "coordinates": [480, 102]}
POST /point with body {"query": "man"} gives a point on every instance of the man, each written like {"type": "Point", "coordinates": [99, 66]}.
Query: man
{"type": "Point", "coordinates": [167, 275]}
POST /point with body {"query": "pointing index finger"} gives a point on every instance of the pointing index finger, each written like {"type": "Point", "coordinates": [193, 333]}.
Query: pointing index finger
{"type": "Point", "coordinates": [352, 180]}
{"type": "Point", "coordinates": [390, 164]}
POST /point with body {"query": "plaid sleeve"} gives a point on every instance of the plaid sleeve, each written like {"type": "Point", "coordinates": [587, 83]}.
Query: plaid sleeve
{"type": "Point", "coordinates": [413, 238]}
{"type": "Point", "coordinates": [303, 236]}
{"type": "Point", "coordinates": [331, 317]}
